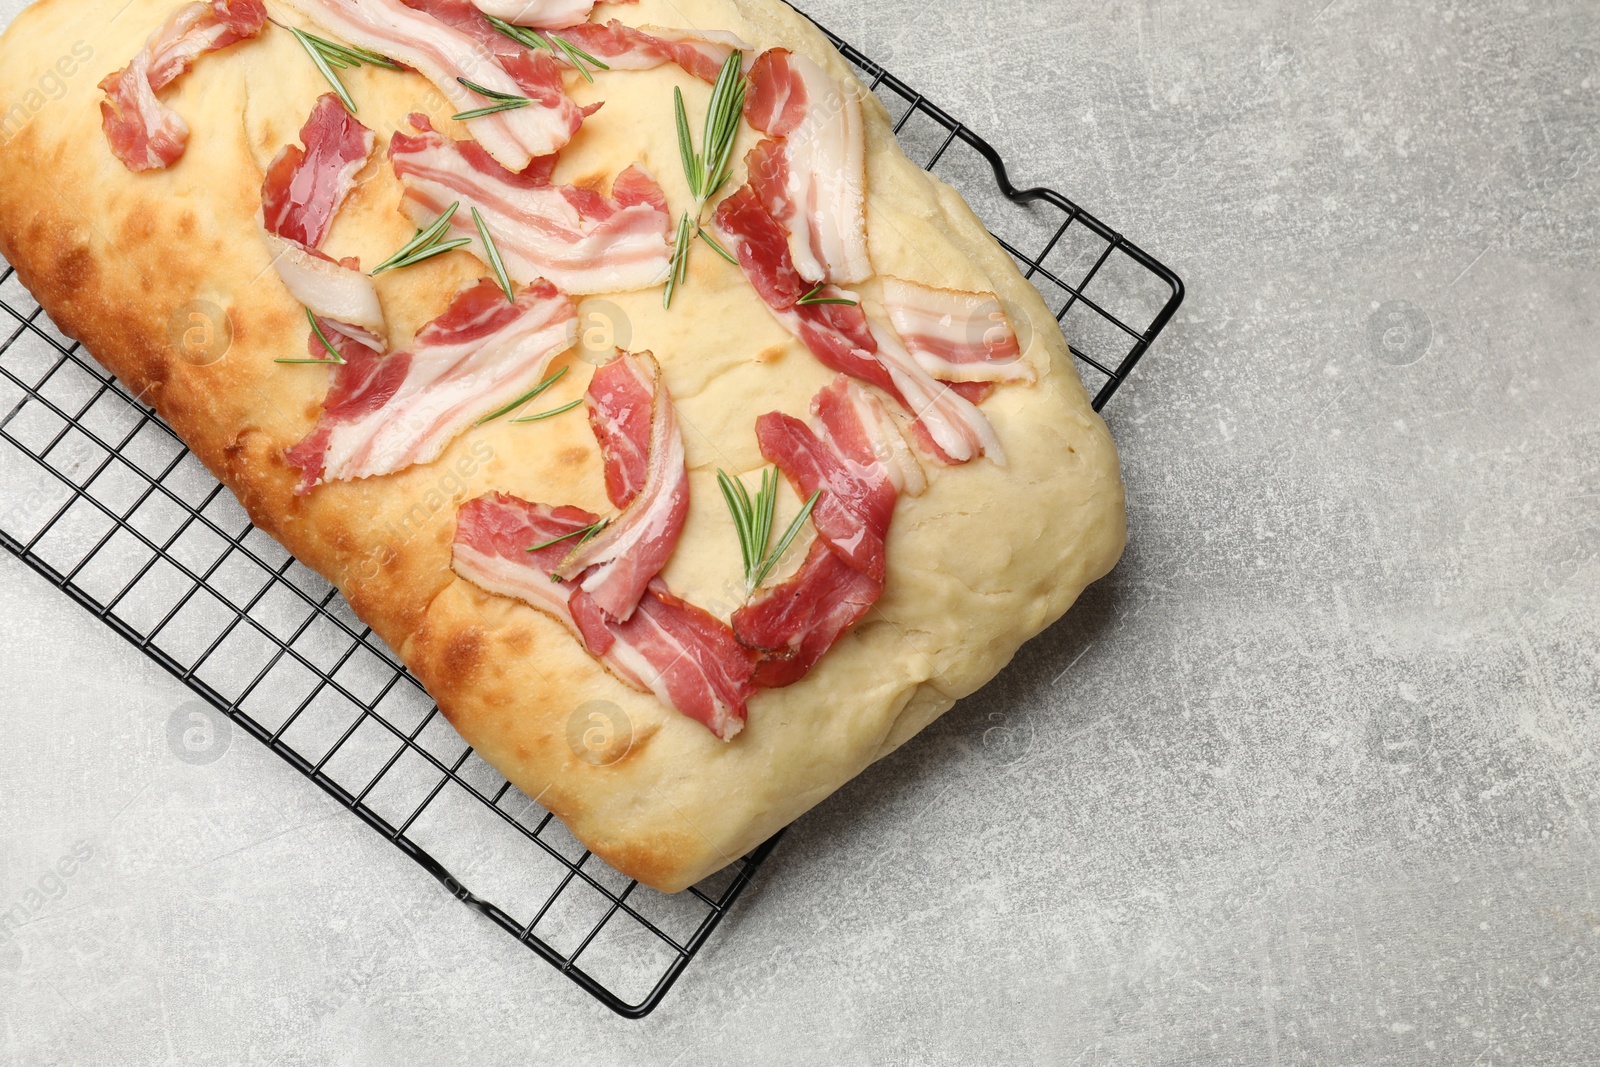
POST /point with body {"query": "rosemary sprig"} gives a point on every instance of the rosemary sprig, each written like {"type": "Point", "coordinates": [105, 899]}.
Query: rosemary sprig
{"type": "Point", "coordinates": [587, 533]}
{"type": "Point", "coordinates": [678, 265]}
{"type": "Point", "coordinates": [752, 519]}
{"type": "Point", "coordinates": [495, 262]}
{"type": "Point", "coordinates": [502, 102]}
{"type": "Point", "coordinates": [330, 57]}
{"type": "Point", "coordinates": [425, 245]}
{"type": "Point", "coordinates": [814, 297]}
{"type": "Point", "coordinates": [549, 42]}
{"type": "Point", "coordinates": [524, 398]}
{"type": "Point", "coordinates": [707, 170]}
{"type": "Point", "coordinates": [562, 410]}
{"type": "Point", "coordinates": [334, 358]}
{"type": "Point", "coordinates": [716, 246]}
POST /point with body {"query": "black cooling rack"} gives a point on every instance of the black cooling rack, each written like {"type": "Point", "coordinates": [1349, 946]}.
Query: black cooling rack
{"type": "Point", "coordinates": [102, 499]}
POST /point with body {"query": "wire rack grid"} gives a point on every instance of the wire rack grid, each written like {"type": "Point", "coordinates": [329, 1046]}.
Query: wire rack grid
{"type": "Point", "coordinates": [101, 498]}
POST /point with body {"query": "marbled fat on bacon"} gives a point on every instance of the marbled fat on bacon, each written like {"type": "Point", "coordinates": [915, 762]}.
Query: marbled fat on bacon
{"type": "Point", "coordinates": [576, 238]}
{"type": "Point", "coordinates": [811, 172]}
{"type": "Point", "coordinates": [536, 73]}
{"type": "Point", "coordinates": [540, 14]}
{"type": "Point", "coordinates": [385, 413]}
{"type": "Point", "coordinates": [493, 536]}
{"type": "Point", "coordinates": [854, 455]}
{"type": "Point", "coordinates": [304, 187]}
{"type": "Point", "coordinates": [302, 191]}
{"type": "Point", "coordinates": [616, 565]}
{"type": "Point", "coordinates": [699, 52]}
{"type": "Point", "coordinates": [949, 427]}
{"type": "Point", "coordinates": [143, 132]}
{"type": "Point", "coordinates": [955, 336]}
{"type": "Point", "coordinates": [442, 53]}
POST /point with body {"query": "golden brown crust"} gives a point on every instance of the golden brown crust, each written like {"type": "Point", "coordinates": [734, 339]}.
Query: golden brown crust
{"type": "Point", "coordinates": [116, 259]}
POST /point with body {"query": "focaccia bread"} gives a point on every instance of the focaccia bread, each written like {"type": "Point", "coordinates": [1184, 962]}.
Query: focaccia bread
{"type": "Point", "coordinates": [982, 560]}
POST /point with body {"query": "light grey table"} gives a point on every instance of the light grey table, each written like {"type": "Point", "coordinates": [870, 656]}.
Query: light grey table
{"type": "Point", "coordinates": [1311, 778]}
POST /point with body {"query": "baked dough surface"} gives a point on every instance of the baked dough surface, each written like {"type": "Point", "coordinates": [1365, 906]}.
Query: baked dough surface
{"type": "Point", "coordinates": [981, 562]}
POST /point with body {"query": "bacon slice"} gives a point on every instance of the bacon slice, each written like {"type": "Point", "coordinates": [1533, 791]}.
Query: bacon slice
{"type": "Point", "coordinates": [143, 132]}
{"type": "Point", "coordinates": [793, 625]}
{"type": "Point", "coordinates": [334, 290]}
{"type": "Point", "coordinates": [616, 565]}
{"type": "Point", "coordinates": [442, 52]}
{"type": "Point", "coordinates": [949, 427]}
{"type": "Point", "coordinates": [689, 659]}
{"type": "Point", "coordinates": [811, 173]}
{"type": "Point", "coordinates": [955, 336]}
{"type": "Point", "coordinates": [540, 14]}
{"type": "Point", "coordinates": [576, 238]}
{"type": "Point", "coordinates": [303, 189]}
{"type": "Point", "coordinates": [385, 413]}
{"type": "Point", "coordinates": [699, 52]}
{"type": "Point", "coordinates": [855, 458]}
{"type": "Point", "coordinates": [493, 536]}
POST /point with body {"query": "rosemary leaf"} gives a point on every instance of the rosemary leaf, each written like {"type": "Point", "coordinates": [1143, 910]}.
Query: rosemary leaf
{"type": "Point", "coordinates": [814, 298]}
{"type": "Point", "coordinates": [492, 109]}
{"type": "Point", "coordinates": [495, 262]}
{"type": "Point", "coordinates": [785, 541]}
{"type": "Point", "coordinates": [738, 501]}
{"type": "Point", "coordinates": [691, 163]}
{"type": "Point", "coordinates": [586, 532]}
{"type": "Point", "coordinates": [321, 62]}
{"type": "Point", "coordinates": [429, 253]}
{"type": "Point", "coordinates": [552, 413]}
{"type": "Point", "coordinates": [492, 94]}
{"type": "Point", "coordinates": [424, 239]}
{"type": "Point", "coordinates": [716, 246]}
{"type": "Point", "coordinates": [316, 328]}
{"type": "Point", "coordinates": [678, 266]}
{"type": "Point", "coordinates": [524, 398]}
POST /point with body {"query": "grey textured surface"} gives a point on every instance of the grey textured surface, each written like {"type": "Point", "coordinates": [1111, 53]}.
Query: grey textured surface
{"type": "Point", "coordinates": [1311, 778]}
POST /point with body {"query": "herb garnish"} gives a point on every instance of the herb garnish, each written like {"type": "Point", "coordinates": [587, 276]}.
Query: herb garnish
{"type": "Point", "coordinates": [524, 398]}
{"type": "Point", "coordinates": [550, 42]}
{"type": "Point", "coordinates": [330, 57]}
{"type": "Point", "coordinates": [707, 170]}
{"type": "Point", "coordinates": [753, 521]}
{"type": "Point", "coordinates": [587, 533]}
{"type": "Point", "coordinates": [425, 245]}
{"type": "Point", "coordinates": [563, 409]}
{"type": "Point", "coordinates": [502, 102]}
{"type": "Point", "coordinates": [334, 358]}
{"type": "Point", "coordinates": [814, 297]}
{"type": "Point", "coordinates": [495, 262]}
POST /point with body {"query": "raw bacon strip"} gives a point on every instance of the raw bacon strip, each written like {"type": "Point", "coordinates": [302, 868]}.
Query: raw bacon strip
{"type": "Point", "coordinates": [385, 413]}
{"type": "Point", "coordinates": [793, 625]}
{"type": "Point", "coordinates": [616, 565]}
{"type": "Point", "coordinates": [442, 53]}
{"type": "Point", "coordinates": [856, 458]}
{"type": "Point", "coordinates": [575, 238]}
{"type": "Point", "coordinates": [949, 427]}
{"type": "Point", "coordinates": [493, 535]}
{"type": "Point", "coordinates": [299, 197]}
{"type": "Point", "coordinates": [540, 14]}
{"type": "Point", "coordinates": [699, 52]}
{"type": "Point", "coordinates": [334, 290]}
{"type": "Point", "coordinates": [143, 132]}
{"type": "Point", "coordinates": [536, 73]}
{"type": "Point", "coordinates": [955, 336]}
{"type": "Point", "coordinates": [811, 173]}
{"type": "Point", "coordinates": [686, 657]}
